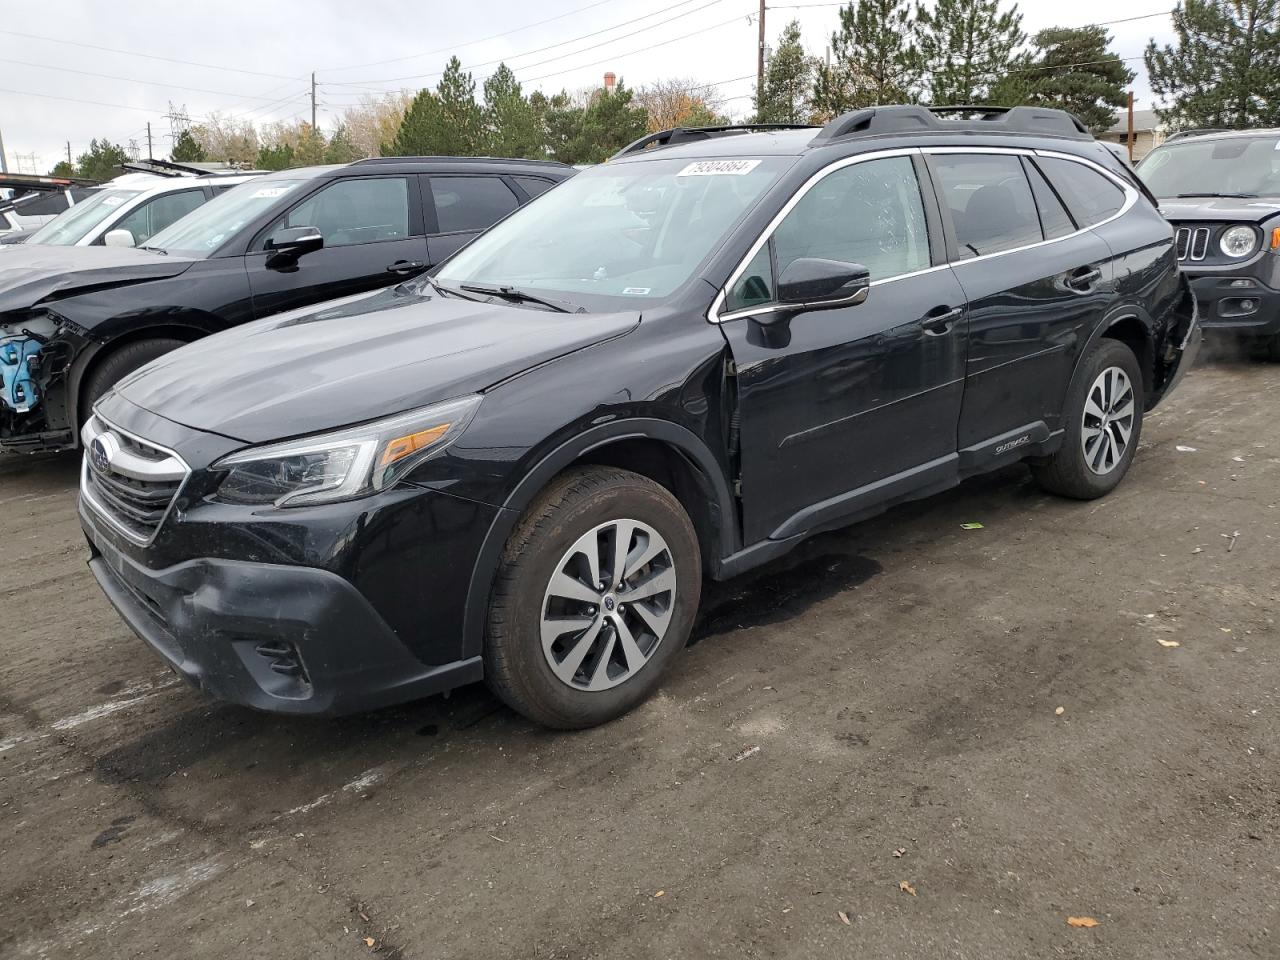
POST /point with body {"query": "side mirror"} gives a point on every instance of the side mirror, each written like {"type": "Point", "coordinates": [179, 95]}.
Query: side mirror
{"type": "Point", "coordinates": [289, 244]}
{"type": "Point", "coordinates": [810, 283]}
{"type": "Point", "coordinates": [119, 238]}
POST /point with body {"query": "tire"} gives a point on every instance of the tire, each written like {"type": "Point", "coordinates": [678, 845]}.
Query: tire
{"type": "Point", "coordinates": [1271, 348]}
{"type": "Point", "coordinates": [117, 365]}
{"type": "Point", "coordinates": [541, 656]}
{"type": "Point", "coordinates": [1087, 475]}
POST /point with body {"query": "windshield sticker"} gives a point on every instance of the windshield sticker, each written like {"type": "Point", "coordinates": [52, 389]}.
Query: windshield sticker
{"type": "Point", "coordinates": [112, 201]}
{"type": "Point", "coordinates": [636, 291]}
{"type": "Point", "coordinates": [1265, 206]}
{"type": "Point", "coordinates": [267, 192]}
{"type": "Point", "coordinates": [715, 168]}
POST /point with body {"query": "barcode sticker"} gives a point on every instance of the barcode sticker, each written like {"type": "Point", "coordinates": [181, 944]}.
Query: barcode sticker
{"type": "Point", "coordinates": [719, 168]}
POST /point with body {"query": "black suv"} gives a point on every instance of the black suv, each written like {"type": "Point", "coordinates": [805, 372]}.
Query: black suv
{"type": "Point", "coordinates": [74, 320]}
{"type": "Point", "coordinates": [1221, 191]}
{"type": "Point", "coordinates": [683, 361]}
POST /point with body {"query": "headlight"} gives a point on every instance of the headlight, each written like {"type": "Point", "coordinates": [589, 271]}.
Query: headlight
{"type": "Point", "coordinates": [1238, 241]}
{"type": "Point", "coordinates": [348, 463]}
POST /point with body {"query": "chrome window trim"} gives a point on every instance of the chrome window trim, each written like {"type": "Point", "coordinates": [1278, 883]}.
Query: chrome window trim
{"type": "Point", "coordinates": [86, 491]}
{"type": "Point", "coordinates": [1130, 194]}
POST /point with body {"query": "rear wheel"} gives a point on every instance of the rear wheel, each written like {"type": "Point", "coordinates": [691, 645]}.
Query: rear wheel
{"type": "Point", "coordinates": [1103, 420]}
{"type": "Point", "coordinates": [595, 597]}
{"type": "Point", "coordinates": [117, 365]}
{"type": "Point", "coordinates": [1271, 348]}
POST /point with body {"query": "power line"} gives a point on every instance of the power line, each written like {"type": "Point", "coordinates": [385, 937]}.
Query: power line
{"type": "Point", "coordinates": [527, 53]}
{"type": "Point", "coordinates": [112, 76]}
{"type": "Point", "coordinates": [470, 43]}
{"type": "Point", "coordinates": [147, 56]}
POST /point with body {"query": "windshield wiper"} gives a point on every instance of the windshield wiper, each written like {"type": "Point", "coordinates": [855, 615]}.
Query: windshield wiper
{"type": "Point", "coordinates": [521, 296]}
{"type": "Point", "coordinates": [1225, 196]}
{"type": "Point", "coordinates": [156, 250]}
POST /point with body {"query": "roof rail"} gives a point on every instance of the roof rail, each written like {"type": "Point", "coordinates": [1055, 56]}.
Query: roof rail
{"type": "Point", "coordinates": [879, 121]}
{"type": "Point", "coordinates": [154, 171]}
{"type": "Point", "coordinates": [548, 163]}
{"type": "Point", "coordinates": [669, 138]}
{"type": "Point", "coordinates": [1195, 132]}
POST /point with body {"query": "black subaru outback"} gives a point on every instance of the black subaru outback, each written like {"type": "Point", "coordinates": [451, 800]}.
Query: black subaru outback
{"type": "Point", "coordinates": [682, 362]}
{"type": "Point", "coordinates": [1221, 190]}
{"type": "Point", "coordinates": [74, 320]}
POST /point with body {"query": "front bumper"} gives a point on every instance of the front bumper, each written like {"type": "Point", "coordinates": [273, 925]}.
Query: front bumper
{"type": "Point", "coordinates": [286, 639]}
{"type": "Point", "coordinates": [1253, 310]}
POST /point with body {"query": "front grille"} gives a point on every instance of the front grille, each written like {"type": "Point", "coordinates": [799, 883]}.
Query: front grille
{"type": "Point", "coordinates": [1192, 243]}
{"type": "Point", "coordinates": [130, 482]}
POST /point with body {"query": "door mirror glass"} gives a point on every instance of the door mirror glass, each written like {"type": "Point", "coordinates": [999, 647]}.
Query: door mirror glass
{"type": "Point", "coordinates": [294, 242]}
{"type": "Point", "coordinates": [118, 238]}
{"type": "Point", "coordinates": [815, 283]}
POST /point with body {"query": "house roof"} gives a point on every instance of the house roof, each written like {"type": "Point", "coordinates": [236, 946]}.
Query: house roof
{"type": "Point", "coordinates": [1142, 120]}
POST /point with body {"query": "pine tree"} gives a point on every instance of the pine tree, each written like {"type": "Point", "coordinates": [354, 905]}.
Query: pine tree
{"type": "Point", "coordinates": [788, 81]}
{"type": "Point", "coordinates": [415, 137]}
{"type": "Point", "coordinates": [459, 132]}
{"type": "Point", "coordinates": [875, 61]}
{"type": "Point", "coordinates": [340, 148]}
{"type": "Point", "coordinates": [1072, 69]}
{"type": "Point", "coordinates": [1224, 68]}
{"type": "Point", "coordinates": [101, 161]}
{"type": "Point", "coordinates": [186, 150]}
{"type": "Point", "coordinates": [62, 169]}
{"type": "Point", "coordinates": [277, 156]}
{"type": "Point", "coordinates": [511, 127]}
{"type": "Point", "coordinates": [609, 123]}
{"type": "Point", "coordinates": [561, 120]}
{"type": "Point", "coordinates": [965, 46]}
{"type": "Point", "coordinates": [310, 148]}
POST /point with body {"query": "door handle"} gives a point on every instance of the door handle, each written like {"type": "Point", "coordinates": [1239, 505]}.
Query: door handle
{"type": "Point", "coordinates": [1082, 280]}
{"type": "Point", "coordinates": [939, 320]}
{"type": "Point", "coordinates": [406, 266]}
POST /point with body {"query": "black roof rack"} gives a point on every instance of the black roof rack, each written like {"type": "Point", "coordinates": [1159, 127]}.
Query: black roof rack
{"type": "Point", "coordinates": [878, 121]}
{"type": "Point", "coordinates": [669, 138]}
{"type": "Point", "coordinates": [36, 182]}
{"type": "Point", "coordinates": [1195, 132]}
{"type": "Point", "coordinates": [520, 160]}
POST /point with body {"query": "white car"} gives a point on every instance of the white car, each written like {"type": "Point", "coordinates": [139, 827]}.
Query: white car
{"type": "Point", "coordinates": [131, 209]}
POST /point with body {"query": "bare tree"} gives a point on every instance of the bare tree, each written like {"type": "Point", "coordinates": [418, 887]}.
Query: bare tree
{"type": "Point", "coordinates": [681, 102]}
{"type": "Point", "coordinates": [375, 120]}
{"type": "Point", "coordinates": [227, 138]}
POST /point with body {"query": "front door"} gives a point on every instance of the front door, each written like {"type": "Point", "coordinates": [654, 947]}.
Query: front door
{"type": "Point", "coordinates": [842, 408]}
{"type": "Point", "coordinates": [1035, 283]}
{"type": "Point", "coordinates": [373, 237]}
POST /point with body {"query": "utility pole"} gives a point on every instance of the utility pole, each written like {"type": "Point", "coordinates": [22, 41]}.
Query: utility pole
{"type": "Point", "coordinates": [149, 154]}
{"type": "Point", "coordinates": [1131, 126]}
{"type": "Point", "coordinates": [313, 89]}
{"type": "Point", "coordinates": [760, 62]}
{"type": "Point", "coordinates": [4, 164]}
{"type": "Point", "coordinates": [69, 163]}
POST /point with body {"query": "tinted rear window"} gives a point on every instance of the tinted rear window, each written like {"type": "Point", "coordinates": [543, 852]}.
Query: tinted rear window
{"type": "Point", "coordinates": [470, 203]}
{"type": "Point", "coordinates": [1089, 195]}
{"type": "Point", "coordinates": [1053, 216]}
{"type": "Point", "coordinates": [990, 202]}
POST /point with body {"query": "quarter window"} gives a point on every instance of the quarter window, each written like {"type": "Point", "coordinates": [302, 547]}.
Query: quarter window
{"type": "Point", "coordinates": [990, 202]}
{"type": "Point", "coordinates": [1091, 197]}
{"type": "Point", "coordinates": [534, 186]}
{"type": "Point", "coordinates": [363, 210]}
{"type": "Point", "coordinates": [867, 213]}
{"type": "Point", "coordinates": [470, 203]}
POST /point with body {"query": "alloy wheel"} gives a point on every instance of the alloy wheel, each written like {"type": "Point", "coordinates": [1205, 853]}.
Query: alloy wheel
{"type": "Point", "coordinates": [1107, 426]}
{"type": "Point", "coordinates": [608, 605]}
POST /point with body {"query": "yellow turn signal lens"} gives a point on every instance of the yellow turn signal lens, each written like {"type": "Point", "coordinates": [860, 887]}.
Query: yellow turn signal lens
{"type": "Point", "coordinates": [401, 447]}
{"type": "Point", "coordinates": [1275, 238]}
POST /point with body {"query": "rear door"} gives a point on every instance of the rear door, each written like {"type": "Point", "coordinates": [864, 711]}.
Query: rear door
{"type": "Point", "coordinates": [1035, 283]}
{"type": "Point", "coordinates": [462, 207]}
{"type": "Point", "coordinates": [373, 237]}
{"type": "Point", "coordinates": [845, 408]}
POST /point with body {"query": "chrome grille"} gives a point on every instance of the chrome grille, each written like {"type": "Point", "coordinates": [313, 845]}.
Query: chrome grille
{"type": "Point", "coordinates": [1192, 243]}
{"type": "Point", "coordinates": [129, 482]}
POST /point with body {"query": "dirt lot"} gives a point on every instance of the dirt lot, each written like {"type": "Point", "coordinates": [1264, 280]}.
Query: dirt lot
{"type": "Point", "coordinates": [879, 710]}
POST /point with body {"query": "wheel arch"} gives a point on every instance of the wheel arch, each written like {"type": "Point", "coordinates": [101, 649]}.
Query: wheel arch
{"type": "Point", "coordinates": [1132, 326]}
{"type": "Point", "coordinates": [666, 452]}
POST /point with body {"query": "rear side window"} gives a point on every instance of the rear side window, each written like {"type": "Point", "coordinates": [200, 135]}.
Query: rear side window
{"type": "Point", "coordinates": [41, 205]}
{"type": "Point", "coordinates": [990, 202]}
{"type": "Point", "coordinates": [1053, 215]}
{"type": "Point", "coordinates": [358, 210]}
{"type": "Point", "coordinates": [1090, 196]}
{"type": "Point", "coordinates": [470, 203]}
{"type": "Point", "coordinates": [154, 215]}
{"type": "Point", "coordinates": [534, 186]}
{"type": "Point", "coordinates": [868, 213]}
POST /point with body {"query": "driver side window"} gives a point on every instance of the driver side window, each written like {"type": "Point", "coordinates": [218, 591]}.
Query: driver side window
{"type": "Point", "coordinates": [364, 210]}
{"type": "Point", "coordinates": [869, 213]}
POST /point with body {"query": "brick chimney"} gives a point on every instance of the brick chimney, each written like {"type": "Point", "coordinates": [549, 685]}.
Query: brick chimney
{"type": "Point", "coordinates": [610, 81]}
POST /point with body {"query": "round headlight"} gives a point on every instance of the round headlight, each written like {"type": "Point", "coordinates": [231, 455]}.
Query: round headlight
{"type": "Point", "coordinates": [1238, 241]}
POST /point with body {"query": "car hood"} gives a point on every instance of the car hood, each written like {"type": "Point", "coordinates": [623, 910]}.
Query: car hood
{"type": "Point", "coordinates": [35, 273]}
{"type": "Point", "coordinates": [354, 361]}
{"type": "Point", "coordinates": [1220, 209]}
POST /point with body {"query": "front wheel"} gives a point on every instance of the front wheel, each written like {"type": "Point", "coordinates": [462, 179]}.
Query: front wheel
{"type": "Point", "coordinates": [1103, 420]}
{"type": "Point", "coordinates": [117, 365]}
{"type": "Point", "coordinates": [595, 597]}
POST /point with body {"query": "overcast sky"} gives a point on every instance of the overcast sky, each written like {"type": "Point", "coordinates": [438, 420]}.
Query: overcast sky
{"type": "Point", "coordinates": [258, 64]}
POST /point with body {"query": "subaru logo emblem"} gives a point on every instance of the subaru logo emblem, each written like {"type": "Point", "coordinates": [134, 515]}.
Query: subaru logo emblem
{"type": "Point", "coordinates": [98, 455]}
{"type": "Point", "coordinates": [608, 603]}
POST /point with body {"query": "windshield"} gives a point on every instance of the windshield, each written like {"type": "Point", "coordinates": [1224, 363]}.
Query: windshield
{"type": "Point", "coordinates": [623, 232]}
{"type": "Point", "coordinates": [74, 223]}
{"type": "Point", "coordinates": [1248, 166]}
{"type": "Point", "coordinates": [201, 232]}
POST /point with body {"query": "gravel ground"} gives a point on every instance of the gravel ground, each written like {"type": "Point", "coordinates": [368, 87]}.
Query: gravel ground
{"type": "Point", "coordinates": [956, 739]}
